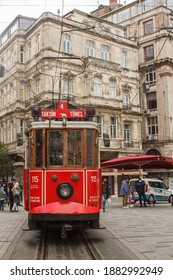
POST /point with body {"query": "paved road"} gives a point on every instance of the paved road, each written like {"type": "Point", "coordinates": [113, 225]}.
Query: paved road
{"type": "Point", "coordinates": [140, 233]}
{"type": "Point", "coordinates": [10, 229]}
{"type": "Point", "coordinates": [145, 232]}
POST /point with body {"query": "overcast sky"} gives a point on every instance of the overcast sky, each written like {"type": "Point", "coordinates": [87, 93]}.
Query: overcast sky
{"type": "Point", "coordinates": [9, 9]}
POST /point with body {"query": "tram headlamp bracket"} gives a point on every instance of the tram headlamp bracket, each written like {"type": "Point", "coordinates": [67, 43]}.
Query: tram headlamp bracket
{"type": "Point", "coordinates": [64, 120]}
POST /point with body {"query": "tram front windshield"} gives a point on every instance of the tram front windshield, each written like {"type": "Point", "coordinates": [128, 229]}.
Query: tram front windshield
{"type": "Point", "coordinates": [58, 147]}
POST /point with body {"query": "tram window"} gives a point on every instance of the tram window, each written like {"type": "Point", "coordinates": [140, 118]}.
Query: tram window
{"type": "Point", "coordinates": [56, 148]}
{"type": "Point", "coordinates": [39, 138]}
{"type": "Point", "coordinates": [74, 148]}
{"type": "Point", "coordinates": [89, 151]}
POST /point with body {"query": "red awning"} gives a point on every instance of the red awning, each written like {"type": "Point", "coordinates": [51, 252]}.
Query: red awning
{"type": "Point", "coordinates": [140, 162]}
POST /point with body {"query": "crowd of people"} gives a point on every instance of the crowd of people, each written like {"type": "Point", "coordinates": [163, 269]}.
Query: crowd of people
{"type": "Point", "coordinates": [10, 194]}
{"type": "Point", "coordinates": [140, 187]}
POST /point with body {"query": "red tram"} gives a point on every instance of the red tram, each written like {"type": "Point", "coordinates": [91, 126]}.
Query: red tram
{"type": "Point", "coordinates": [62, 175]}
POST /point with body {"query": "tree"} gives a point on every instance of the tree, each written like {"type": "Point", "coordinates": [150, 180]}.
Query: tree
{"type": "Point", "coordinates": [6, 163]}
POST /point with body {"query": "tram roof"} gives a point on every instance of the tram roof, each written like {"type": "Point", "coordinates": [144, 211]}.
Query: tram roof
{"type": "Point", "coordinates": [69, 124]}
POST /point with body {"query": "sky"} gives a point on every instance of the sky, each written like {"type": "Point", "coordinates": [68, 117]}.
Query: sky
{"type": "Point", "coordinates": [9, 9]}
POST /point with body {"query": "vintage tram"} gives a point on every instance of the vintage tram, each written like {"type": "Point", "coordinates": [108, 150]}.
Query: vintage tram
{"type": "Point", "coordinates": [62, 176]}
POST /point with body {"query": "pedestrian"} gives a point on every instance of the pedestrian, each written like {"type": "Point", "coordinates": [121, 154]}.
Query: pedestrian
{"type": "Point", "coordinates": [21, 194]}
{"type": "Point", "coordinates": [125, 191]}
{"type": "Point", "coordinates": [2, 196]}
{"type": "Point", "coordinates": [140, 188]}
{"type": "Point", "coordinates": [16, 196]}
{"type": "Point", "coordinates": [109, 194]}
{"type": "Point", "coordinates": [6, 188]}
{"type": "Point", "coordinates": [104, 193]}
{"type": "Point", "coordinates": [10, 193]}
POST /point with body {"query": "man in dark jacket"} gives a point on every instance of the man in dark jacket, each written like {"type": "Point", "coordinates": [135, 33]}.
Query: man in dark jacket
{"type": "Point", "coordinates": [140, 188]}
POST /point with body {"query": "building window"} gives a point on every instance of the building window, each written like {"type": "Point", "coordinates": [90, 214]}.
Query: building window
{"type": "Point", "coordinates": [38, 86]}
{"type": "Point", "coordinates": [149, 52]}
{"type": "Point", "coordinates": [148, 27]}
{"type": "Point", "coordinates": [38, 42]}
{"type": "Point", "coordinates": [124, 59]}
{"type": "Point", "coordinates": [113, 127]}
{"type": "Point", "coordinates": [171, 22]}
{"type": "Point", "coordinates": [152, 125]}
{"type": "Point", "coordinates": [112, 89]}
{"type": "Point", "coordinates": [28, 93]}
{"type": "Point", "coordinates": [67, 87]}
{"type": "Point", "coordinates": [14, 28]}
{"type": "Point", "coordinates": [21, 54]}
{"type": "Point", "coordinates": [170, 4]}
{"type": "Point", "coordinates": [148, 5]}
{"type": "Point", "coordinates": [87, 86]}
{"type": "Point", "coordinates": [99, 121]}
{"type": "Point", "coordinates": [126, 98]}
{"type": "Point", "coordinates": [151, 100]}
{"type": "Point", "coordinates": [67, 39]}
{"type": "Point", "coordinates": [90, 48]}
{"type": "Point", "coordinates": [4, 38]}
{"type": "Point", "coordinates": [21, 127]}
{"type": "Point", "coordinates": [123, 15]}
{"type": "Point", "coordinates": [150, 76]}
{"type": "Point", "coordinates": [4, 138]}
{"type": "Point", "coordinates": [11, 132]}
{"type": "Point", "coordinates": [97, 86]}
{"type": "Point", "coordinates": [104, 52]}
{"type": "Point", "coordinates": [29, 51]}
{"type": "Point", "coordinates": [127, 133]}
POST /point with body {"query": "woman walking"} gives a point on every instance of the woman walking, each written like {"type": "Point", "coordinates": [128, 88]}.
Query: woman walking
{"type": "Point", "coordinates": [16, 197]}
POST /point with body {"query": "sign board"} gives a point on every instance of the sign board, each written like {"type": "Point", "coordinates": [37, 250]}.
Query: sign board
{"type": "Point", "coordinates": [62, 111]}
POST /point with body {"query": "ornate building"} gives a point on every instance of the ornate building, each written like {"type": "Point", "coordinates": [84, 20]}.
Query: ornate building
{"type": "Point", "coordinates": [150, 23]}
{"type": "Point", "coordinates": [79, 58]}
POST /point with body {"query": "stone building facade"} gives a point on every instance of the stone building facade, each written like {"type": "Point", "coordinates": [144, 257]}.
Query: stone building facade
{"type": "Point", "coordinates": [150, 23]}
{"type": "Point", "coordinates": [79, 58]}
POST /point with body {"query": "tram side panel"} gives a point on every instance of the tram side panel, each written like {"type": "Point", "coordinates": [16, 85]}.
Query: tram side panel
{"type": "Point", "coordinates": [93, 183]}
{"type": "Point", "coordinates": [36, 185]}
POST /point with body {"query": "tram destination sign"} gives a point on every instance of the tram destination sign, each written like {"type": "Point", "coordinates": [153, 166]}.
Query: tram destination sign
{"type": "Point", "coordinates": [61, 112]}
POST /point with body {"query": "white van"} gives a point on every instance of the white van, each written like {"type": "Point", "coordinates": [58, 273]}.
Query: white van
{"type": "Point", "coordinates": [156, 190]}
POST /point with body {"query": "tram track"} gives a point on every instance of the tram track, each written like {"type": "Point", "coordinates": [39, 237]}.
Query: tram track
{"type": "Point", "coordinates": [92, 251]}
{"type": "Point", "coordinates": [86, 245]}
{"type": "Point", "coordinates": [53, 247]}
{"type": "Point", "coordinates": [43, 246]}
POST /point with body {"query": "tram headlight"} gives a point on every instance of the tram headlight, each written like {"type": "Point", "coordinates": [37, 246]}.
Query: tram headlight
{"type": "Point", "coordinates": [64, 191]}
{"type": "Point", "coordinates": [36, 111]}
{"type": "Point", "coordinates": [90, 111]}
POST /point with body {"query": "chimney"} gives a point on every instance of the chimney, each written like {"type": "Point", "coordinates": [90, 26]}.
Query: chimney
{"type": "Point", "coordinates": [113, 4]}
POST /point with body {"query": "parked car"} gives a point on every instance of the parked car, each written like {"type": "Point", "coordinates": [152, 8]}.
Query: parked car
{"type": "Point", "coordinates": [156, 190]}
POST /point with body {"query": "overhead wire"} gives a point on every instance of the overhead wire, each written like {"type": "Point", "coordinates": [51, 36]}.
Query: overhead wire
{"type": "Point", "coordinates": [131, 58]}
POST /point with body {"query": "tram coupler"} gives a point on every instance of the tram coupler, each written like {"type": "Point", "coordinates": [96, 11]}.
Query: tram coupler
{"type": "Point", "coordinates": [64, 230]}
